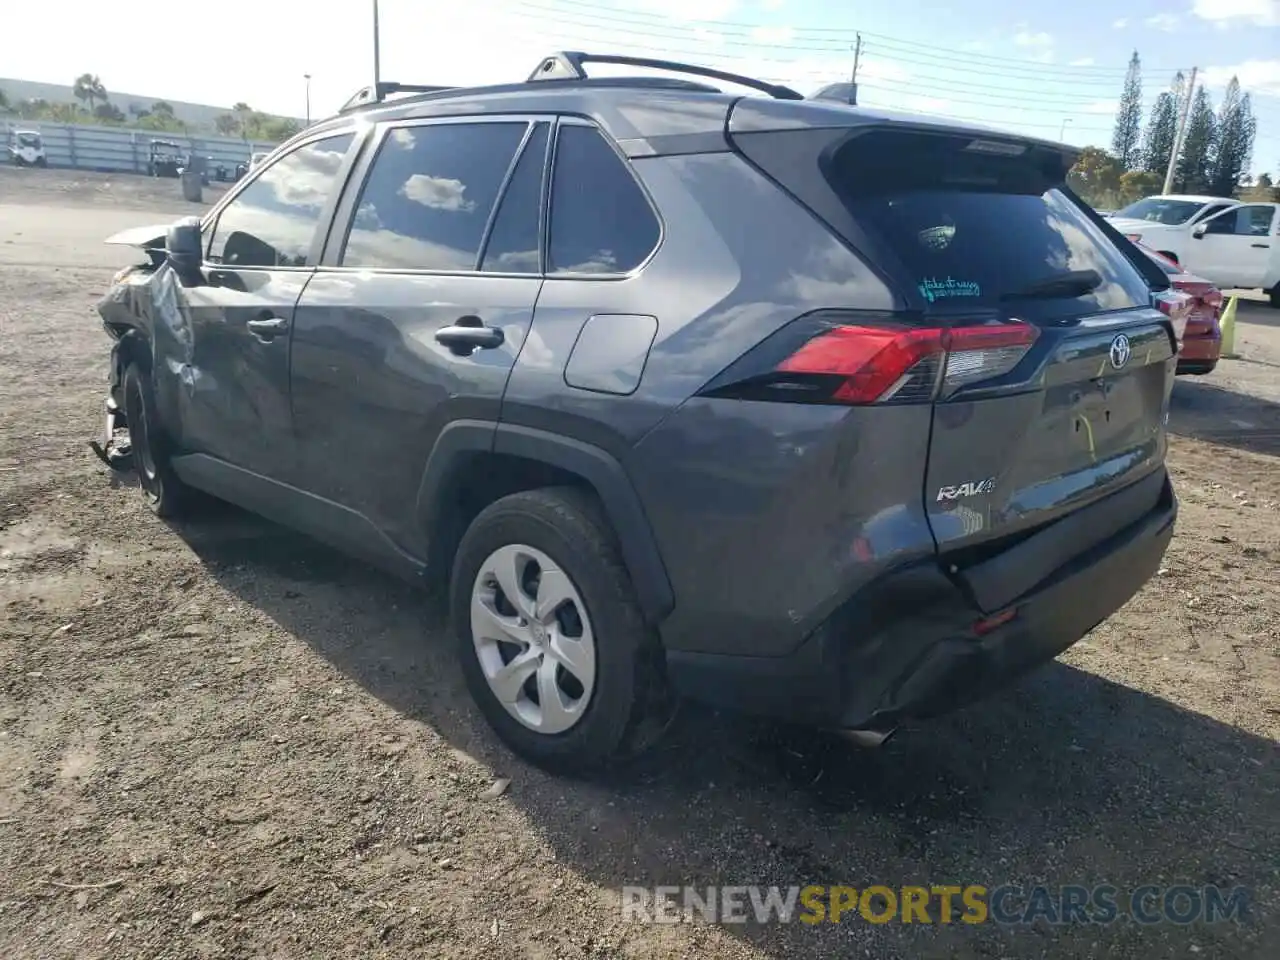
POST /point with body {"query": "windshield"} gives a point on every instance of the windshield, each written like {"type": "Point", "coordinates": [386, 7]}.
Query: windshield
{"type": "Point", "coordinates": [987, 233]}
{"type": "Point", "coordinates": [1161, 210]}
{"type": "Point", "coordinates": [29, 139]}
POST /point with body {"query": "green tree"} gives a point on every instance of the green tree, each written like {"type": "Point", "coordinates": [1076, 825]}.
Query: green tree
{"type": "Point", "coordinates": [162, 108]}
{"type": "Point", "coordinates": [4, 102]}
{"type": "Point", "coordinates": [1096, 177]}
{"type": "Point", "coordinates": [108, 112]}
{"type": "Point", "coordinates": [88, 89]}
{"type": "Point", "coordinates": [1162, 130]}
{"type": "Point", "coordinates": [1136, 184]}
{"type": "Point", "coordinates": [1125, 138]}
{"type": "Point", "coordinates": [1195, 167]}
{"type": "Point", "coordinates": [226, 124]}
{"type": "Point", "coordinates": [1237, 129]}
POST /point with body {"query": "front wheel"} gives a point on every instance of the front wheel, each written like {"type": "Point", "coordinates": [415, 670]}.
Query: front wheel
{"type": "Point", "coordinates": [553, 646]}
{"type": "Point", "coordinates": [165, 494]}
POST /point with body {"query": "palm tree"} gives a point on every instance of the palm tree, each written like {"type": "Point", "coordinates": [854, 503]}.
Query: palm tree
{"type": "Point", "coordinates": [88, 87]}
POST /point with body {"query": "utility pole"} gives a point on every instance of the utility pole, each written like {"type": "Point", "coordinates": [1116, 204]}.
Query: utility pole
{"type": "Point", "coordinates": [853, 79]}
{"type": "Point", "coordinates": [1182, 132]}
{"type": "Point", "coordinates": [307, 77]}
{"type": "Point", "coordinates": [377, 56]}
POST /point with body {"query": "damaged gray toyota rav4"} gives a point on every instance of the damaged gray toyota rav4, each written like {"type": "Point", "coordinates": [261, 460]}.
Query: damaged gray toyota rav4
{"type": "Point", "coordinates": [781, 404]}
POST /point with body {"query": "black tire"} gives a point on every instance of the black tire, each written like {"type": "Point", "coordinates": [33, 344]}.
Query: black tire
{"type": "Point", "coordinates": [629, 707]}
{"type": "Point", "coordinates": [1274, 295]}
{"type": "Point", "coordinates": [166, 495]}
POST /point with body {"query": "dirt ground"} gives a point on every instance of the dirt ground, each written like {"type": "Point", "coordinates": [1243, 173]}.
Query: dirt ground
{"type": "Point", "coordinates": [222, 740]}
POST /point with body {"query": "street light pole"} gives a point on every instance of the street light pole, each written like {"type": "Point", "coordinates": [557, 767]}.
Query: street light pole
{"type": "Point", "coordinates": [307, 77]}
{"type": "Point", "coordinates": [377, 55]}
{"type": "Point", "coordinates": [1063, 129]}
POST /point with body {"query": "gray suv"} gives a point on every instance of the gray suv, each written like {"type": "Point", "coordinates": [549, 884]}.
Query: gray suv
{"type": "Point", "coordinates": [781, 404]}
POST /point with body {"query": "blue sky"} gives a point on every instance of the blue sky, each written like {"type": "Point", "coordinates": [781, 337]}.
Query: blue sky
{"type": "Point", "coordinates": [1045, 69]}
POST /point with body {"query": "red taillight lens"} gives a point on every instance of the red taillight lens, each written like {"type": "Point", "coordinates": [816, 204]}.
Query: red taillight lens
{"type": "Point", "coordinates": [1177, 307]}
{"type": "Point", "coordinates": [883, 364]}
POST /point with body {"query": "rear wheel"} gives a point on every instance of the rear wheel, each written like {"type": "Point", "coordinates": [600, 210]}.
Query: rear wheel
{"type": "Point", "coordinates": [165, 494]}
{"type": "Point", "coordinates": [553, 646]}
{"type": "Point", "coordinates": [1274, 294]}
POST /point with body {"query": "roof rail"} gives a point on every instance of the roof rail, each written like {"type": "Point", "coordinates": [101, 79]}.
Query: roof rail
{"type": "Point", "coordinates": [378, 93]}
{"type": "Point", "coordinates": [567, 65]}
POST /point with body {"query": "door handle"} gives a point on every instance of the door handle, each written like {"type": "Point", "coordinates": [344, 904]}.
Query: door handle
{"type": "Point", "coordinates": [267, 328]}
{"type": "Point", "coordinates": [467, 334]}
{"type": "Point", "coordinates": [1260, 246]}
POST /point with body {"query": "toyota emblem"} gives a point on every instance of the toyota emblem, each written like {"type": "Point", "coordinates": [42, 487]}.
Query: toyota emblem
{"type": "Point", "coordinates": [1120, 351]}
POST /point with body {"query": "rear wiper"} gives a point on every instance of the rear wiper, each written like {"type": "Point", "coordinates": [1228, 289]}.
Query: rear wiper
{"type": "Point", "coordinates": [1075, 283]}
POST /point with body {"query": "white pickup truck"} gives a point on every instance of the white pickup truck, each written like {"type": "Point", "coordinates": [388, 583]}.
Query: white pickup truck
{"type": "Point", "coordinates": [1234, 244]}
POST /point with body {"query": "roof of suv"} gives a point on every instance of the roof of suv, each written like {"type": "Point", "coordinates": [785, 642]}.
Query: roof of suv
{"type": "Point", "coordinates": [648, 115]}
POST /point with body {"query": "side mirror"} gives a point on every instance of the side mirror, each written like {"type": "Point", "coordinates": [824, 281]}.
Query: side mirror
{"type": "Point", "coordinates": [183, 249]}
{"type": "Point", "coordinates": [1199, 230]}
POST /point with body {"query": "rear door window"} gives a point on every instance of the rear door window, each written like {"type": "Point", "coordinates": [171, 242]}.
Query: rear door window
{"type": "Point", "coordinates": [601, 221]}
{"type": "Point", "coordinates": [980, 231]}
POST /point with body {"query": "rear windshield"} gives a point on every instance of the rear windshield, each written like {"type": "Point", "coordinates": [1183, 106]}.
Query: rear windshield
{"type": "Point", "coordinates": [1159, 210]}
{"type": "Point", "coordinates": [979, 231]}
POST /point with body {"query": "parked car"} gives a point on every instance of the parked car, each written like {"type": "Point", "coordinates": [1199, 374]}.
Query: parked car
{"type": "Point", "coordinates": [26, 149]}
{"type": "Point", "coordinates": [1230, 243]}
{"type": "Point", "coordinates": [1200, 342]}
{"type": "Point", "coordinates": [674, 392]}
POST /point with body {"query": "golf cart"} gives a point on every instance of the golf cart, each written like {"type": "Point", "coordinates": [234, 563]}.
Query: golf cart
{"type": "Point", "coordinates": [166, 159]}
{"type": "Point", "coordinates": [26, 149]}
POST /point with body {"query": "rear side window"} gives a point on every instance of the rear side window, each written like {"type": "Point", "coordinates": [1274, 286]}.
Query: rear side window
{"type": "Point", "coordinates": [601, 221]}
{"type": "Point", "coordinates": [985, 230]}
{"type": "Point", "coordinates": [428, 196]}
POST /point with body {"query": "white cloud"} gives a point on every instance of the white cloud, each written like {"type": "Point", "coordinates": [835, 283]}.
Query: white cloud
{"type": "Point", "coordinates": [772, 34]}
{"type": "Point", "coordinates": [1165, 22]}
{"type": "Point", "coordinates": [1082, 62]}
{"type": "Point", "coordinates": [1262, 13]}
{"type": "Point", "coordinates": [438, 193]}
{"type": "Point", "coordinates": [1101, 107]}
{"type": "Point", "coordinates": [1038, 44]}
{"type": "Point", "coordinates": [1121, 23]}
{"type": "Point", "coordinates": [1256, 76]}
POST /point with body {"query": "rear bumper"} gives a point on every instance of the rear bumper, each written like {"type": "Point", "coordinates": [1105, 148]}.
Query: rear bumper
{"type": "Point", "coordinates": [906, 647]}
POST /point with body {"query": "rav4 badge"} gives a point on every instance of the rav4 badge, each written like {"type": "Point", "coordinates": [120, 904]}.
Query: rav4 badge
{"type": "Point", "coordinates": [973, 488]}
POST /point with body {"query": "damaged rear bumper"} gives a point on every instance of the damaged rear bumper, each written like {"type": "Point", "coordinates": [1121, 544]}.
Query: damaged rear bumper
{"type": "Point", "coordinates": [920, 643]}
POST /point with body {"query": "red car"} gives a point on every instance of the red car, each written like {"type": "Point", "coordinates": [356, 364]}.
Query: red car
{"type": "Point", "coordinates": [1202, 340]}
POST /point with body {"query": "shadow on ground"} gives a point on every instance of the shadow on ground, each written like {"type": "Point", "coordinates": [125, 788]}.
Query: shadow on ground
{"type": "Point", "coordinates": [1204, 410]}
{"type": "Point", "coordinates": [1068, 778]}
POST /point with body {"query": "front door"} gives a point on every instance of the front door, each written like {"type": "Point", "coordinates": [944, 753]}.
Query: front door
{"type": "Point", "coordinates": [1236, 248]}
{"type": "Point", "coordinates": [421, 305]}
{"type": "Point", "coordinates": [230, 370]}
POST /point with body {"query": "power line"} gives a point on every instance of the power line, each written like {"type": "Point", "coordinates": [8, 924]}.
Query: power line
{"type": "Point", "coordinates": [828, 39]}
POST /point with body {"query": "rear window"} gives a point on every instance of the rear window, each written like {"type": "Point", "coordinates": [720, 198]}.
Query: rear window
{"type": "Point", "coordinates": [977, 230]}
{"type": "Point", "coordinates": [1159, 210]}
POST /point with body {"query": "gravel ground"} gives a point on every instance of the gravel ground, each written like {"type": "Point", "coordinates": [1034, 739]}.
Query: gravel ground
{"type": "Point", "coordinates": [223, 740]}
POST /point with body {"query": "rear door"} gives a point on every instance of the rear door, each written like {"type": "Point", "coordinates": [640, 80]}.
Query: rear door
{"type": "Point", "coordinates": [423, 300]}
{"type": "Point", "coordinates": [1236, 247]}
{"type": "Point", "coordinates": [1051, 376]}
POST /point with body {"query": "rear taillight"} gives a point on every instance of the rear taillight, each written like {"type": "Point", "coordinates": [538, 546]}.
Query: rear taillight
{"type": "Point", "coordinates": [862, 363]}
{"type": "Point", "coordinates": [1177, 307]}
